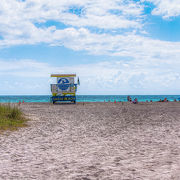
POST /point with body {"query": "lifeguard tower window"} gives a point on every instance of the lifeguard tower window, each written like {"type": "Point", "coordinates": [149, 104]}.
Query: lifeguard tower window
{"type": "Point", "coordinates": [65, 89]}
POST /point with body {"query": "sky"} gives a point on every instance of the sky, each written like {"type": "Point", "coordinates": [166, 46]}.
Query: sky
{"type": "Point", "coordinates": [116, 47]}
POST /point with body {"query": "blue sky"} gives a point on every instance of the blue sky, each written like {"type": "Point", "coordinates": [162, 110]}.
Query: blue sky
{"type": "Point", "coordinates": [115, 46]}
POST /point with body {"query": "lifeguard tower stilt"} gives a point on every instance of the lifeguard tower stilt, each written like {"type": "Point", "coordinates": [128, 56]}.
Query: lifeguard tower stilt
{"type": "Point", "coordinates": [65, 89]}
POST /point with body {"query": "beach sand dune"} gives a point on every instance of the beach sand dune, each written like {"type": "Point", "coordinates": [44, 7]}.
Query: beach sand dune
{"type": "Point", "coordinates": [94, 141]}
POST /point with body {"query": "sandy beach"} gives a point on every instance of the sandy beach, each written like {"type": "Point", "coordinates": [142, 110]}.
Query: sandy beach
{"type": "Point", "coordinates": [94, 141]}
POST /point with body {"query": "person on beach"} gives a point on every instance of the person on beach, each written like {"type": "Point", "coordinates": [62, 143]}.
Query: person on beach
{"type": "Point", "coordinates": [135, 101]}
{"type": "Point", "coordinates": [165, 100]}
{"type": "Point", "coordinates": [129, 99]}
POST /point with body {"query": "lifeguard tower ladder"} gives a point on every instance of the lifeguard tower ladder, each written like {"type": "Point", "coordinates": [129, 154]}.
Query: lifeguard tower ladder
{"type": "Point", "coordinates": [65, 89]}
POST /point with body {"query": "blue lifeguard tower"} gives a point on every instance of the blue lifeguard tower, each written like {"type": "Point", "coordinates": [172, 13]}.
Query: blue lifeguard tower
{"type": "Point", "coordinates": [65, 89]}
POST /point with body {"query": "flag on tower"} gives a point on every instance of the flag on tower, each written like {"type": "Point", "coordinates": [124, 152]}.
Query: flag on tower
{"type": "Point", "coordinates": [78, 82]}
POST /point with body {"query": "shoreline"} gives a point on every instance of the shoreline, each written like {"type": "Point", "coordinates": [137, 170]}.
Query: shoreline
{"type": "Point", "coordinates": [90, 98]}
{"type": "Point", "coordinates": [97, 102]}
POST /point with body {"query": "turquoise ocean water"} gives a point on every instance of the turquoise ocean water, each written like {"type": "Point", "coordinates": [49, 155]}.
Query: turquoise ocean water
{"type": "Point", "coordinates": [89, 98]}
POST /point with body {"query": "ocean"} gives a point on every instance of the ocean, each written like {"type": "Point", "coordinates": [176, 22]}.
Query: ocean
{"type": "Point", "coordinates": [88, 98]}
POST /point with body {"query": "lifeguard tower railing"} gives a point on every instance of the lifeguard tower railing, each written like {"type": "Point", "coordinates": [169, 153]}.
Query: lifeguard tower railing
{"type": "Point", "coordinates": [65, 89]}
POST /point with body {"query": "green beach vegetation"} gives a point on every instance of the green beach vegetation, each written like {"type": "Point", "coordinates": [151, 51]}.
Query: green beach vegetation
{"type": "Point", "coordinates": [11, 117]}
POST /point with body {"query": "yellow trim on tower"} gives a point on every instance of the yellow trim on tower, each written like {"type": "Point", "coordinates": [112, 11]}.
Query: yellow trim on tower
{"type": "Point", "coordinates": [63, 75]}
{"type": "Point", "coordinates": [69, 94]}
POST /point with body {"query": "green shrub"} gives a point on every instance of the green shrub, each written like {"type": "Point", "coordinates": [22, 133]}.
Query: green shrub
{"type": "Point", "coordinates": [11, 117]}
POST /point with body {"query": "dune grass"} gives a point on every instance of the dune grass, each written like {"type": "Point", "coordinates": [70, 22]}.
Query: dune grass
{"type": "Point", "coordinates": [11, 118]}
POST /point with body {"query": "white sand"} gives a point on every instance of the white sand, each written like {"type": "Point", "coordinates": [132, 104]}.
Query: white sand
{"type": "Point", "coordinates": [94, 141]}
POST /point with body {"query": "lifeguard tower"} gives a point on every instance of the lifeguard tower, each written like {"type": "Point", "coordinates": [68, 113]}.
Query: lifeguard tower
{"type": "Point", "coordinates": [65, 89]}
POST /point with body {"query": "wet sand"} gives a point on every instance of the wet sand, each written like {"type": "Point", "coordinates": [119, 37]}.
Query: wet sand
{"type": "Point", "coordinates": [94, 141]}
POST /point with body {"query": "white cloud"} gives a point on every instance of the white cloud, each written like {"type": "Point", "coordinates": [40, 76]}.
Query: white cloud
{"type": "Point", "coordinates": [166, 8]}
{"type": "Point", "coordinates": [15, 14]}
{"type": "Point", "coordinates": [117, 77]}
{"type": "Point", "coordinates": [153, 64]}
{"type": "Point", "coordinates": [130, 45]}
{"type": "Point", "coordinates": [19, 20]}
{"type": "Point", "coordinates": [18, 26]}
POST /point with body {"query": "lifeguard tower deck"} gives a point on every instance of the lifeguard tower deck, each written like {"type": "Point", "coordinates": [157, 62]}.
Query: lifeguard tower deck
{"type": "Point", "coordinates": [65, 89]}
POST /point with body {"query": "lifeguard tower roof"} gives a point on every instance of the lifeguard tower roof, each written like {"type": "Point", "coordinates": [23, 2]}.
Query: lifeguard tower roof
{"type": "Point", "coordinates": [63, 75]}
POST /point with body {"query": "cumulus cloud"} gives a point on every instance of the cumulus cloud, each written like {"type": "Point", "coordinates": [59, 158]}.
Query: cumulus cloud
{"type": "Point", "coordinates": [18, 18]}
{"type": "Point", "coordinates": [99, 27]}
{"type": "Point", "coordinates": [18, 25]}
{"type": "Point", "coordinates": [116, 77]}
{"type": "Point", "coordinates": [166, 8]}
